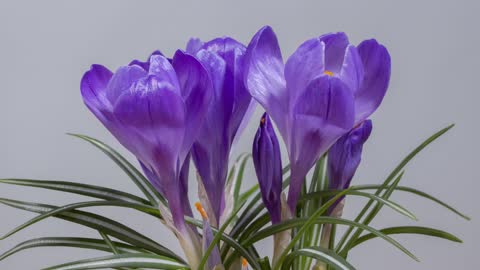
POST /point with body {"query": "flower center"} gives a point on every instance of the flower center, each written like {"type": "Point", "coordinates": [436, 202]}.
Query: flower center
{"type": "Point", "coordinates": [328, 72]}
{"type": "Point", "coordinates": [262, 121]}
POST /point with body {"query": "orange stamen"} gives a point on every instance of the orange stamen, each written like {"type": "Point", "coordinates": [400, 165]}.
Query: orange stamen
{"type": "Point", "coordinates": [262, 121]}
{"type": "Point", "coordinates": [200, 209]}
{"type": "Point", "coordinates": [244, 263]}
{"type": "Point", "coordinates": [328, 72]}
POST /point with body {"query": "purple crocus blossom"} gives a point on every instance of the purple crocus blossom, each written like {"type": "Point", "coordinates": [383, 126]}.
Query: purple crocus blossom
{"type": "Point", "coordinates": [155, 110]}
{"type": "Point", "coordinates": [228, 112]}
{"type": "Point", "coordinates": [345, 155]}
{"type": "Point", "coordinates": [268, 166]}
{"type": "Point", "coordinates": [326, 87]}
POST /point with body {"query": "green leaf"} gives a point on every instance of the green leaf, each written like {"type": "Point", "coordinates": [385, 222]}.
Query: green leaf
{"type": "Point", "coordinates": [251, 212]}
{"type": "Point", "coordinates": [228, 240]}
{"type": "Point", "coordinates": [396, 207]}
{"type": "Point", "coordinates": [77, 188]}
{"type": "Point", "coordinates": [264, 263]}
{"type": "Point", "coordinates": [264, 219]}
{"type": "Point", "coordinates": [392, 176]}
{"type": "Point", "coordinates": [109, 242]}
{"type": "Point", "coordinates": [410, 230]}
{"type": "Point", "coordinates": [123, 260]}
{"type": "Point", "coordinates": [97, 222]}
{"type": "Point", "coordinates": [75, 242]}
{"type": "Point", "coordinates": [138, 178]}
{"type": "Point", "coordinates": [218, 236]}
{"type": "Point", "coordinates": [371, 215]}
{"type": "Point", "coordinates": [66, 208]}
{"type": "Point", "coordinates": [321, 254]}
{"type": "Point", "coordinates": [299, 222]}
{"type": "Point", "coordinates": [241, 163]}
{"type": "Point", "coordinates": [416, 192]}
{"type": "Point", "coordinates": [312, 220]}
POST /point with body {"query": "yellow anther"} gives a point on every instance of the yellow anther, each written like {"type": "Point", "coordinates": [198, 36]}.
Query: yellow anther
{"type": "Point", "coordinates": [328, 72]}
{"type": "Point", "coordinates": [262, 121]}
{"type": "Point", "coordinates": [200, 209]}
{"type": "Point", "coordinates": [244, 263]}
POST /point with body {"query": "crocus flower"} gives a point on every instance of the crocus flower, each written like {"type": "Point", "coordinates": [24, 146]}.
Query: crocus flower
{"type": "Point", "coordinates": [214, 261]}
{"type": "Point", "coordinates": [345, 155]}
{"type": "Point", "coordinates": [227, 115]}
{"type": "Point", "coordinates": [268, 166]}
{"type": "Point", "coordinates": [155, 110]}
{"type": "Point", "coordinates": [326, 87]}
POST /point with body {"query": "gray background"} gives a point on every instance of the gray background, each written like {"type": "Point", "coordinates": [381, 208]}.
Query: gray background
{"type": "Point", "coordinates": [47, 45]}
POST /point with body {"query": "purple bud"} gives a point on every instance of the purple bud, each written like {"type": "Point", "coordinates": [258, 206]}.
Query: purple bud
{"type": "Point", "coordinates": [268, 166]}
{"type": "Point", "coordinates": [345, 155]}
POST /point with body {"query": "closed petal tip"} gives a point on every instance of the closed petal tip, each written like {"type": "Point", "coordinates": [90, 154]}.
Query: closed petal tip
{"type": "Point", "coordinates": [264, 75]}
{"type": "Point", "coordinates": [93, 88]}
{"type": "Point", "coordinates": [377, 66]}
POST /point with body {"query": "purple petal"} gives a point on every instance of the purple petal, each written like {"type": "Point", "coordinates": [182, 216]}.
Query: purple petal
{"type": "Point", "coordinates": [322, 114]}
{"type": "Point", "coordinates": [153, 178]}
{"type": "Point", "coordinates": [235, 98]}
{"type": "Point", "coordinates": [123, 80]}
{"type": "Point", "coordinates": [225, 48]}
{"type": "Point", "coordinates": [211, 161]}
{"type": "Point", "coordinates": [163, 70]}
{"type": "Point", "coordinates": [214, 259]}
{"type": "Point", "coordinates": [245, 120]}
{"type": "Point", "coordinates": [268, 167]}
{"type": "Point", "coordinates": [352, 69]}
{"type": "Point", "coordinates": [197, 92]}
{"type": "Point", "coordinates": [345, 155]}
{"type": "Point", "coordinates": [156, 114]}
{"type": "Point", "coordinates": [145, 65]}
{"type": "Point", "coordinates": [153, 115]}
{"type": "Point", "coordinates": [93, 89]}
{"type": "Point", "coordinates": [183, 180]}
{"type": "Point", "coordinates": [335, 46]}
{"type": "Point", "coordinates": [305, 64]}
{"type": "Point", "coordinates": [194, 45]}
{"type": "Point", "coordinates": [376, 62]}
{"type": "Point", "coordinates": [243, 106]}
{"type": "Point", "coordinates": [216, 67]}
{"type": "Point", "coordinates": [223, 59]}
{"type": "Point", "coordinates": [264, 76]}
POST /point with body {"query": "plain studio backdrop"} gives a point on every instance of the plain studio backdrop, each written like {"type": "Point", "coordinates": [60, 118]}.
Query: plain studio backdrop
{"type": "Point", "coordinates": [46, 46]}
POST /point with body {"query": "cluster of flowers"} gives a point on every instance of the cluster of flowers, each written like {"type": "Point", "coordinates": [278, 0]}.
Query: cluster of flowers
{"type": "Point", "coordinates": [194, 105]}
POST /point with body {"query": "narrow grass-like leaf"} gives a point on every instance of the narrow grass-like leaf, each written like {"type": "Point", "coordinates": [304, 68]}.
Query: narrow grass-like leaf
{"type": "Point", "coordinates": [228, 240]}
{"type": "Point", "coordinates": [138, 178]}
{"type": "Point", "coordinates": [123, 260]}
{"type": "Point", "coordinates": [77, 188]}
{"type": "Point", "coordinates": [240, 169]}
{"type": "Point", "coordinates": [396, 207]}
{"type": "Point", "coordinates": [321, 254]}
{"type": "Point", "coordinates": [251, 211]}
{"type": "Point", "coordinates": [74, 242]}
{"type": "Point", "coordinates": [312, 220]}
{"type": "Point", "coordinates": [56, 211]}
{"type": "Point", "coordinates": [391, 177]}
{"type": "Point", "coordinates": [109, 242]}
{"type": "Point", "coordinates": [299, 222]}
{"type": "Point", "coordinates": [97, 222]}
{"type": "Point", "coordinates": [371, 215]}
{"type": "Point", "coordinates": [416, 192]}
{"type": "Point", "coordinates": [218, 236]}
{"type": "Point", "coordinates": [409, 230]}
{"type": "Point", "coordinates": [264, 219]}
